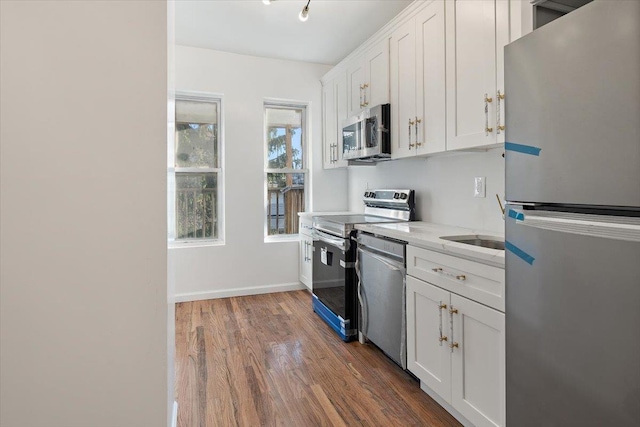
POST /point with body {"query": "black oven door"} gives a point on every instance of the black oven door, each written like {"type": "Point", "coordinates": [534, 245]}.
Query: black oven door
{"type": "Point", "coordinates": [334, 275]}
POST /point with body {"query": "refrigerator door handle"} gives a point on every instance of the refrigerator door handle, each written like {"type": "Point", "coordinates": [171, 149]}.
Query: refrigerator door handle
{"type": "Point", "coordinates": [607, 227]}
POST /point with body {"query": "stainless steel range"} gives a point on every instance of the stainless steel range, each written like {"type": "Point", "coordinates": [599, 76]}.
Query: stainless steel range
{"type": "Point", "coordinates": [334, 283]}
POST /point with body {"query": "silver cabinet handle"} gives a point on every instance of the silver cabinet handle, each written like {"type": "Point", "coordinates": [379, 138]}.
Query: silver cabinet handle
{"type": "Point", "coordinates": [487, 100]}
{"type": "Point", "coordinates": [441, 307]}
{"type": "Point", "coordinates": [418, 121]}
{"type": "Point", "coordinates": [499, 127]}
{"type": "Point", "coordinates": [411, 122]}
{"type": "Point", "coordinates": [453, 344]}
{"type": "Point", "coordinates": [361, 102]}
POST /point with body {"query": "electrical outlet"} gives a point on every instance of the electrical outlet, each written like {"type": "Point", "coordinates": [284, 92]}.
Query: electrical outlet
{"type": "Point", "coordinates": [479, 189]}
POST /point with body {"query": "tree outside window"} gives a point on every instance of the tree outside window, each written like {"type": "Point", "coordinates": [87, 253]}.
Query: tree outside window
{"type": "Point", "coordinates": [285, 171]}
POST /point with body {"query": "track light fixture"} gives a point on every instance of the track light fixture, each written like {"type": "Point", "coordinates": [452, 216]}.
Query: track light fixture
{"type": "Point", "coordinates": [266, 1]}
{"type": "Point", "coordinates": [304, 14]}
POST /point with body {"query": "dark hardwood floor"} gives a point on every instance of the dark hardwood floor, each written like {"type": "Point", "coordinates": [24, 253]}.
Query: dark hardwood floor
{"type": "Point", "coordinates": [269, 360]}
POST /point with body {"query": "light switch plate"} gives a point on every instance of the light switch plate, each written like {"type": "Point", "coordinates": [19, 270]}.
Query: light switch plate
{"type": "Point", "coordinates": [479, 189]}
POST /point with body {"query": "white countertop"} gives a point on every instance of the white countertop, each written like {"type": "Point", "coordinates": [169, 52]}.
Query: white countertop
{"type": "Point", "coordinates": [305, 214]}
{"type": "Point", "coordinates": [427, 235]}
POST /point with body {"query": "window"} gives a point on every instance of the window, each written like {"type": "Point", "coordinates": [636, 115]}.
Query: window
{"type": "Point", "coordinates": [197, 168]}
{"type": "Point", "coordinates": [285, 173]}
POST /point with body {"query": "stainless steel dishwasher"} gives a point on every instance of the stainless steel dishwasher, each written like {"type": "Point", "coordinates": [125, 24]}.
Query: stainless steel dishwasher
{"type": "Point", "coordinates": [381, 272]}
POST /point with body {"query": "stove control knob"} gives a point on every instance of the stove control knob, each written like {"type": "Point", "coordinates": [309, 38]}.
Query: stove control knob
{"type": "Point", "coordinates": [372, 195]}
{"type": "Point", "coordinates": [403, 196]}
{"type": "Point", "coordinates": [366, 194]}
{"type": "Point", "coordinates": [396, 195]}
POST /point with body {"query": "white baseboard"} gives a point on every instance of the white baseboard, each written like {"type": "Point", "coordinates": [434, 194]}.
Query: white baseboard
{"type": "Point", "coordinates": [238, 292]}
{"type": "Point", "coordinates": [440, 401]}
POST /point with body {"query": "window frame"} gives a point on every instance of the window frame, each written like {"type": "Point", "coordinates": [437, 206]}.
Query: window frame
{"type": "Point", "coordinates": [219, 171]}
{"type": "Point", "coordinates": [305, 106]}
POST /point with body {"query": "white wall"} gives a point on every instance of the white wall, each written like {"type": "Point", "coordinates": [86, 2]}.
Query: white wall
{"type": "Point", "coordinates": [443, 184]}
{"type": "Point", "coordinates": [83, 262]}
{"type": "Point", "coordinates": [246, 264]}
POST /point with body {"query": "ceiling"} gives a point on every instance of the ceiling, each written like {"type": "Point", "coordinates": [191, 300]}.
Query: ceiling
{"type": "Point", "coordinates": [334, 28]}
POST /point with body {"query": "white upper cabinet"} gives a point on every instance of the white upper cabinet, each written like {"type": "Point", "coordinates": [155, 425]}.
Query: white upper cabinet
{"type": "Point", "coordinates": [368, 78]}
{"type": "Point", "coordinates": [403, 90]}
{"type": "Point", "coordinates": [329, 127]}
{"type": "Point", "coordinates": [334, 104]}
{"type": "Point", "coordinates": [376, 68]}
{"type": "Point", "coordinates": [430, 83]}
{"type": "Point", "coordinates": [342, 91]}
{"type": "Point", "coordinates": [476, 32]}
{"type": "Point", "coordinates": [440, 65]}
{"type": "Point", "coordinates": [355, 83]}
{"type": "Point", "coordinates": [418, 83]}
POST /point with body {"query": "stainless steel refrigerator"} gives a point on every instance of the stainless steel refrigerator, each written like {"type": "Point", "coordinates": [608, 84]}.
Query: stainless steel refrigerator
{"type": "Point", "coordinates": [573, 220]}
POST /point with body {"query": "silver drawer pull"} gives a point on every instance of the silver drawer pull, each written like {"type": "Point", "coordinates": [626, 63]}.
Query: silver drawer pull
{"type": "Point", "coordinates": [437, 270]}
{"type": "Point", "coordinates": [461, 277]}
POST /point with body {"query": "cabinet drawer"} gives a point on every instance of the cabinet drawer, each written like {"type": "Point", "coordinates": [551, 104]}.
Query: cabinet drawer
{"type": "Point", "coordinates": [306, 226]}
{"type": "Point", "coordinates": [474, 280]}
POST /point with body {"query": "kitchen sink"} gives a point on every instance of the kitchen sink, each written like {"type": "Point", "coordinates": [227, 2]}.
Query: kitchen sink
{"type": "Point", "coordinates": [490, 242]}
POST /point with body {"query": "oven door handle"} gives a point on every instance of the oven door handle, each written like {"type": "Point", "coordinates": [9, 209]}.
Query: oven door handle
{"type": "Point", "coordinates": [340, 243]}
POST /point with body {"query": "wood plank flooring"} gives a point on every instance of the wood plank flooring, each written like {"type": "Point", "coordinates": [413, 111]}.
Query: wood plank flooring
{"type": "Point", "coordinates": [268, 360]}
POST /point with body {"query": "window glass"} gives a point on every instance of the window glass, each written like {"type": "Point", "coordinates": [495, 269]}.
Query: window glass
{"type": "Point", "coordinates": [197, 169]}
{"type": "Point", "coordinates": [196, 205]}
{"type": "Point", "coordinates": [286, 169]}
{"type": "Point", "coordinates": [196, 134]}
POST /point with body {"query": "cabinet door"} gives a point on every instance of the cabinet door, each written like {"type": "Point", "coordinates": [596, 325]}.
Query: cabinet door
{"type": "Point", "coordinates": [342, 114]}
{"type": "Point", "coordinates": [377, 74]}
{"type": "Point", "coordinates": [471, 72]}
{"type": "Point", "coordinates": [503, 30]}
{"type": "Point", "coordinates": [306, 260]}
{"type": "Point", "coordinates": [428, 357]}
{"type": "Point", "coordinates": [355, 81]}
{"type": "Point", "coordinates": [430, 130]}
{"type": "Point", "coordinates": [329, 120]}
{"type": "Point", "coordinates": [478, 363]}
{"type": "Point", "coordinates": [403, 90]}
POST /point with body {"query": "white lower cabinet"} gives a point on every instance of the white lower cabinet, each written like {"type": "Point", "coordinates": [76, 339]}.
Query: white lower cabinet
{"type": "Point", "coordinates": [456, 347]}
{"type": "Point", "coordinates": [305, 266]}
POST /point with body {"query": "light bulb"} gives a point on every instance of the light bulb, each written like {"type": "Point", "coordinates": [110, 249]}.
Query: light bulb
{"type": "Point", "coordinates": [304, 14]}
{"type": "Point", "coordinates": [266, 2]}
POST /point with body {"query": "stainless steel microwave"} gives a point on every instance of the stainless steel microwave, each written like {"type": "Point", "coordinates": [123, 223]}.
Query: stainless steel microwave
{"type": "Point", "coordinates": [367, 136]}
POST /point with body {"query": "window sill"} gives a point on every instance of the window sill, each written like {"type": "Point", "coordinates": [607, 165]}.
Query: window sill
{"type": "Point", "coordinates": [194, 244]}
{"type": "Point", "coordinates": [282, 239]}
